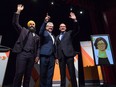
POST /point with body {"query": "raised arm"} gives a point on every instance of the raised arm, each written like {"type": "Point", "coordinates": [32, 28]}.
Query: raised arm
{"type": "Point", "coordinates": [16, 15]}
{"type": "Point", "coordinates": [73, 16]}
{"type": "Point", "coordinates": [42, 29]}
{"type": "Point", "coordinates": [75, 27]}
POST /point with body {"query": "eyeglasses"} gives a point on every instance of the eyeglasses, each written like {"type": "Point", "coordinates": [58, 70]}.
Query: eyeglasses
{"type": "Point", "coordinates": [62, 26]}
{"type": "Point", "coordinates": [99, 44]}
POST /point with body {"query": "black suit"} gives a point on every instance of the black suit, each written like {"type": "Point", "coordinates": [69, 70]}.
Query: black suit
{"type": "Point", "coordinates": [47, 56]}
{"type": "Point", "coordinates": [65, 54]}
{"type": "Point", "coordinates": [26, 53]}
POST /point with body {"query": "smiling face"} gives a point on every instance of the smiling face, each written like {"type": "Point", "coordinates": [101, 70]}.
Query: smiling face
{"type": "Point", "coordinates": [101, 45]}
{"type": "Point", "coordinates": [31, 25]}
{"type": "Point", "coordinates": [62, 27]}
{"type": "Point", "coordinates": [49, 26]}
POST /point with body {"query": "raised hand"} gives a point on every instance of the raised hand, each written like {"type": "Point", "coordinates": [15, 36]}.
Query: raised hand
{"type": "Point", "coordinates": [72, 16]}
{"type": "Point", "coordinates": [47, 18]}
{"type": "Point", "coordinates": [20, 7]}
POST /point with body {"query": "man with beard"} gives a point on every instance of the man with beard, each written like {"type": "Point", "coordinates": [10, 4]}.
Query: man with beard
{"type": "Point", "coordinates": [26, 48]}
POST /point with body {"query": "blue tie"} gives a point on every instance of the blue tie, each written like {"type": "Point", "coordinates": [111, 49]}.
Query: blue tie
{"type": "Point", "coordinates": [61, 35]}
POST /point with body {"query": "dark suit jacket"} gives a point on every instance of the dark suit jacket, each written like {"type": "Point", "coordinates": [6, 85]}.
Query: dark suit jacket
{"type": "Point", "coordinates": [18, 47]}
{"type": "Point", "coordinates": [65, 46]}
{"type": "Point", "coordinates": [47, 47]}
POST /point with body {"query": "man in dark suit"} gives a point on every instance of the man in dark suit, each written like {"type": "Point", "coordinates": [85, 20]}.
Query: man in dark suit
{"type": "Point", "coordinates": [66, 52]}
{"type": "Point", "coordinates": [47, 53]}
{"type": "Point", "coordinates": [26, 48]}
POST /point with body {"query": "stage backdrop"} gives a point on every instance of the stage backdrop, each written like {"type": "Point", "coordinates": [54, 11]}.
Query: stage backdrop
{"type": "Point", "coordinates": [92, 73]}
{"type": "Point", "coordinates": [56, 79]}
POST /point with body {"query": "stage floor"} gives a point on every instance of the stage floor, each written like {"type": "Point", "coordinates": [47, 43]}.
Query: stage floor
{"type": "Point", "coordinates": [81, 86]}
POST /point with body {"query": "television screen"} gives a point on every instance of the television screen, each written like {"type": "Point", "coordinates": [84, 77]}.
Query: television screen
{"type": "Point", "coordinates": [102, 49]}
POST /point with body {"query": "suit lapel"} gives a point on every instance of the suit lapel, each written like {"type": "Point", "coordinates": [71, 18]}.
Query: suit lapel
{"type": "Point", "coordinates": [63, 36]}
{"type": "Point", "coordinates": [58, 37]}
{"type": "Point", "coordinates": [48, 34]}
{"type": "Point", "coordinates": [51, 37]}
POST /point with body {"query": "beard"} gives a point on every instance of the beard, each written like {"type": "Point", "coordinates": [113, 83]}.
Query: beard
{"type": "Point", "coordinates": [32, 29]}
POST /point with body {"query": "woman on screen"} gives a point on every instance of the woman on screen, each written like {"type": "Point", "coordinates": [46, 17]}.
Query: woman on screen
{"type": "Point", "coordinates": [101, 44]}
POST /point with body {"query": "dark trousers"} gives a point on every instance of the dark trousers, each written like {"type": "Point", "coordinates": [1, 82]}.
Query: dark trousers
{"type": "Point", "coordinates": [46, 70]}
{"type": "Point", "coordinates": [24, 65]}
{"type": "Point", "coordinates": [103, 61]}
{"type": "Point", "coordinates": [70, 64]}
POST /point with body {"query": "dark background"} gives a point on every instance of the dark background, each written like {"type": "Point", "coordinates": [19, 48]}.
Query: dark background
{"type": "Point", "coordinates": [90, 22]}
{"type": "Point", "coordinates": [36, 10]}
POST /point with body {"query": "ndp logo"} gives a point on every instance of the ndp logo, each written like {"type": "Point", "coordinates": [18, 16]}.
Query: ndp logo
{"type": "Point", "coordinates": [3, 57]}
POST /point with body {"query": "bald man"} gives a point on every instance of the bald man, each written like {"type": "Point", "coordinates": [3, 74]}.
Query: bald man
{"type": "Point", "coordinates": [66, 52]}
{"type": "Point", "coordinates": [26, 48]}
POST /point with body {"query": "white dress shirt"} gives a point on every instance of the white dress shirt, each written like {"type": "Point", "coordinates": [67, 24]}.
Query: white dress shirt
{"type": "Point", "coordinates": [52, 37]}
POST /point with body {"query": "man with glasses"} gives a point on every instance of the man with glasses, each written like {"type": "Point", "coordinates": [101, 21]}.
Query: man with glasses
{"type": "Point", "coordinates": [66, 52]}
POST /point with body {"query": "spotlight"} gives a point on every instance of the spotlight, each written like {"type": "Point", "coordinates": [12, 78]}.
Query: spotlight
{"type": "Point", "coordinates": [81, 12]}
{"type": "Point", "coordinates": [52, 3]}
{"type": "Point", "coordinates": [71, 9]}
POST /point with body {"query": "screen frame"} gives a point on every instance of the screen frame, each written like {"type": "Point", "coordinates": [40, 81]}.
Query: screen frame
{"type": "Point", "coordinates": [95, 50]}
{"type": "Point", "coordinates": [0, 39]}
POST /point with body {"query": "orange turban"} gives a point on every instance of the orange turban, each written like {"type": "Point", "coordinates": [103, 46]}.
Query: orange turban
{"type": "Point", "coordinates": [30, 22]}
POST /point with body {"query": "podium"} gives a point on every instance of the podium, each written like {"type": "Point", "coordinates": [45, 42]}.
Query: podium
{"type": "Point", "coordinates": [4, 55]}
